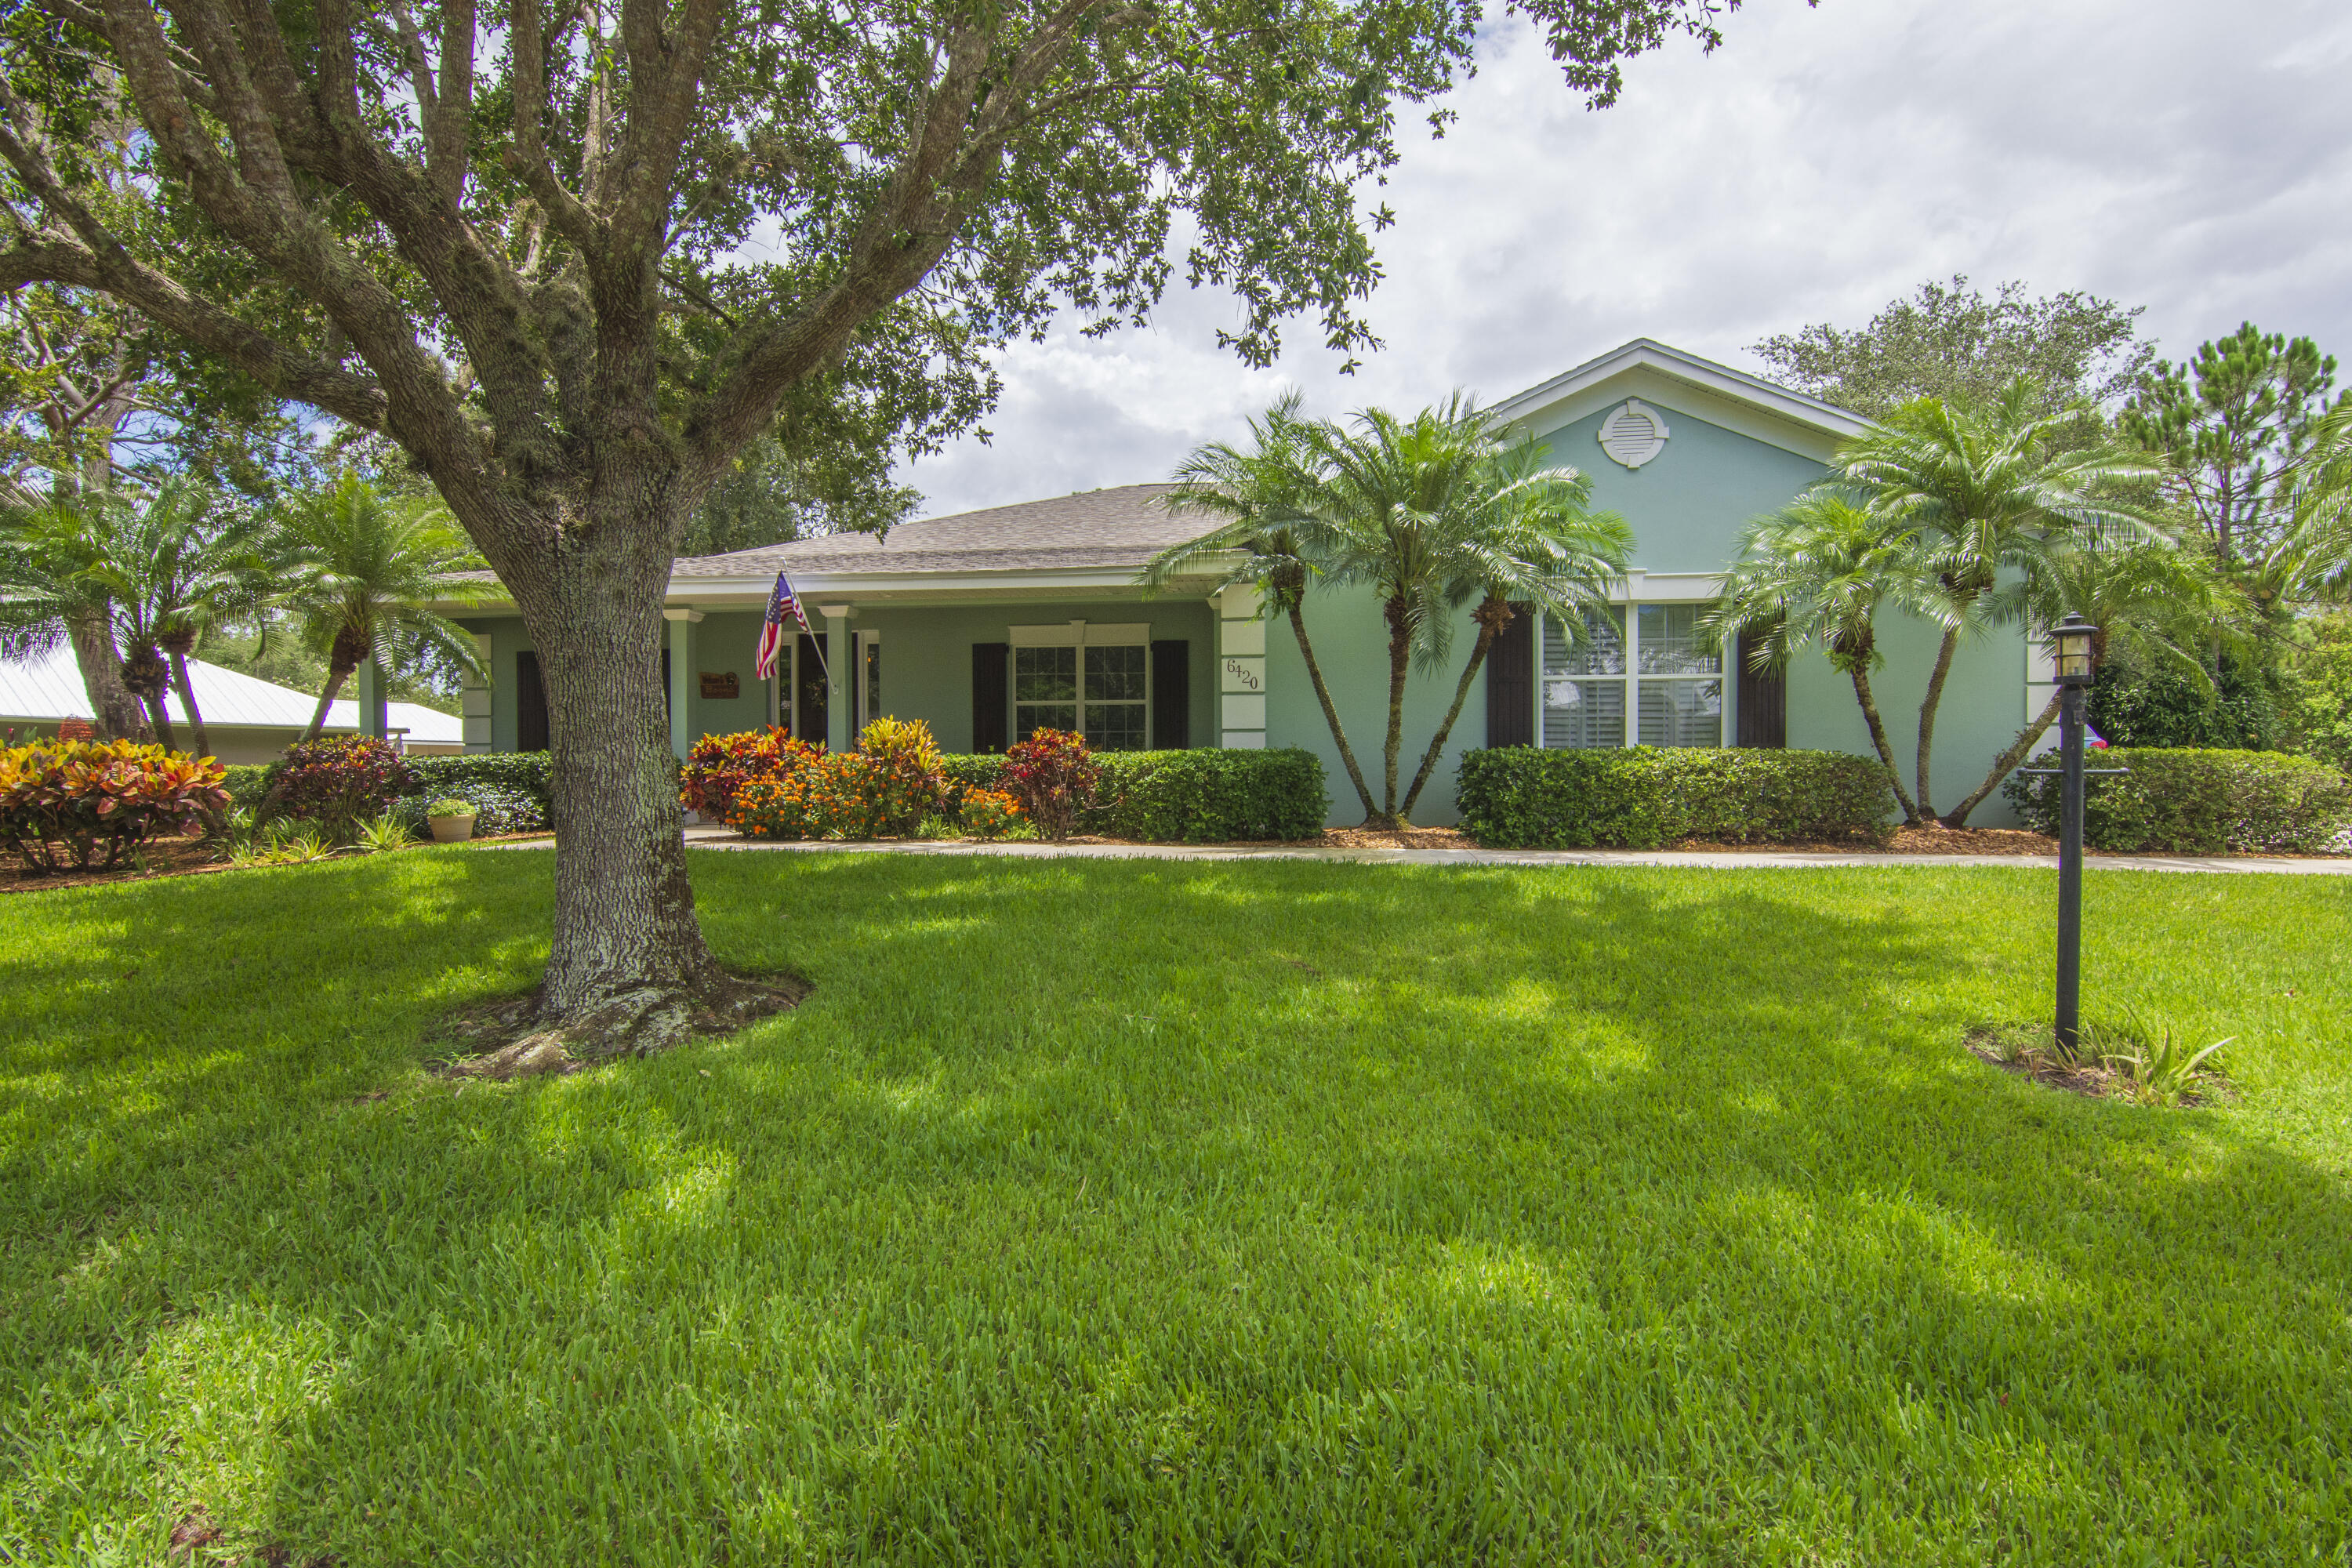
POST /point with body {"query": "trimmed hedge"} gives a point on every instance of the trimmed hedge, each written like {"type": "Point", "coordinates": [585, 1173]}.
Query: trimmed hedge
{"type": "Point", "coordinates": [1522, 798]}
{"type": "Point", "coordinates": [2196, 802]}
{"type": "Point", "coordinates": [527, 772]}
{"type": "Point", "coordinates": [1208, 796]}
{"type": "Point", "coordinates": [1203, 796]}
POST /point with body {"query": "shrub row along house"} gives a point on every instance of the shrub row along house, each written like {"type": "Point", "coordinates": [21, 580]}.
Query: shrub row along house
{"type": "Point", "coordinates": [991, 623]}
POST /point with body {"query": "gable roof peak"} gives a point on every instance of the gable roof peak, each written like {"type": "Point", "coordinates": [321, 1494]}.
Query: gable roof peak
{"type": "Point", "coordinates": [1690, 370]}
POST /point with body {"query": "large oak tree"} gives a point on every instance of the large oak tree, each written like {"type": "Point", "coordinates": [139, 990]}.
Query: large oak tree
{"type": "Point", "coordinates": [571, 256]}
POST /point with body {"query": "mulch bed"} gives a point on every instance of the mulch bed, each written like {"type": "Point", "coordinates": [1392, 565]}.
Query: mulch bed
{"type": "Point", "coordinates": [186, 856]}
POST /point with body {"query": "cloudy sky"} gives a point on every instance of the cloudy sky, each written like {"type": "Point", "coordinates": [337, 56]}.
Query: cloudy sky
{"type": "Point", "coordinates": [2191, 156]}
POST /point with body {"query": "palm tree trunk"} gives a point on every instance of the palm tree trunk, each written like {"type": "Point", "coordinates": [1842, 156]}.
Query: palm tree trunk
{"type": "Point", "coordinates": [187, 690]}
{"type": "Point", "coordinates": [1911, 818]}
{"type": "Point", "coordinates": [1488, 626]}
{"type": "Point", "coordinates": [336, 675]}
{"type": "Point", "coordinates": [162, 717]}
{"type": "Point", "coordinates": [1330, 709]}
{"type": "Point", "coordinates": [1399, 651]}
{"type": "Point", "coordinates": [1927, 706]}
{"type": "Point", "coordinates": [1958, 816]}
{"type": "Point", "coordinates": [115, 711]}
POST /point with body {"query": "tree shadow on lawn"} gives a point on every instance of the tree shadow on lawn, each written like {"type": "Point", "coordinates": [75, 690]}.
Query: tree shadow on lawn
{"type": "Point", "coordinates": [1295, 1206]}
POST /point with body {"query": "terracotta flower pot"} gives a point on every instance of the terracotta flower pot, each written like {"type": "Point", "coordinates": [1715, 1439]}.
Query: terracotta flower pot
{"type": "Point", "coordinates": [451, 829]}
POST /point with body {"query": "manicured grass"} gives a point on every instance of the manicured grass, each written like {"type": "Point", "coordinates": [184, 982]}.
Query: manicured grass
{"type": "Point", "coordinates": [1149, 1212]}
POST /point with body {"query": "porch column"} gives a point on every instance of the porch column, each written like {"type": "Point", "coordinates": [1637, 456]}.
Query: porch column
{"type": "Point", "coordinates": [1241, 668]}
{"type": "Point", "coordinates": [474, 699]}
{"type": "Point", "coordinates": [681, 679]}
{"type": "Point", "coordinates": [839, 654]}
{"type": "Point", "coordinates": [367, 689]}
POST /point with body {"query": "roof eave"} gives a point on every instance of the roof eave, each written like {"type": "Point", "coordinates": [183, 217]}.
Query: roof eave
{"type": "Point", "coordinates": [1719, 380]}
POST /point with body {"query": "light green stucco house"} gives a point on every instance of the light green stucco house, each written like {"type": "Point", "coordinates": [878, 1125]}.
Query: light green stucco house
{"type": "Point", "coordinates": [993, 623]}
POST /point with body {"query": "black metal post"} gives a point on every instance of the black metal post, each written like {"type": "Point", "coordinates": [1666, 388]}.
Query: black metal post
{"type": "Point", "coordinates": [2070, 866]}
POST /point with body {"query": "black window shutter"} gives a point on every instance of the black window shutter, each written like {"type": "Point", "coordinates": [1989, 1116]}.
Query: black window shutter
{"type": "Point", "coordinates": [1511, 681]}
{"type": "Point", "coordinates": [990, 722]}
{"type": "Point", "coordinates": [531, 705]}
{"type": "Point", "coordinates": [1172, 694]}
{"type": "Point", "coordinates": [1763, 702]}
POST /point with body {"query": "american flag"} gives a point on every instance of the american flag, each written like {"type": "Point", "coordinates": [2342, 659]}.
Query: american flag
{"type": "Point", "coordinates": [782, 605]}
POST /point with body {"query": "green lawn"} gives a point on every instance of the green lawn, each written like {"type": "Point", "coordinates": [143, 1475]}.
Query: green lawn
{"type": "Point", "coordinates": [1103, 1213]}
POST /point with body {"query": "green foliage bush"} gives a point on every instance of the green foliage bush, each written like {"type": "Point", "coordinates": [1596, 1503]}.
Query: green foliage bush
{"type": "Point", "coordinates": [2320, 663]}
{"type": "Point", "coordinates": [248, 784]}
{"type": "Point", "coordinates": [2132, 706]}
{"type": "Point", "coordinates": [527, 772]}
{"type": "Point", "coordinates": [2199, 802]}
{"type": "Point", "coordinates": [1521, 798]}
{"type": "Point", "coordinates": [1208, 796]}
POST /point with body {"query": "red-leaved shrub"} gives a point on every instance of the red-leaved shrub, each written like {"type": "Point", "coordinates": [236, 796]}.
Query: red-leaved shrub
{"type": "Point", "coordinates": [1053, 776]}
{"type": "Point", "coordinates": [718, 765]}
{"type": "Point", "coordinates": [338, 782]}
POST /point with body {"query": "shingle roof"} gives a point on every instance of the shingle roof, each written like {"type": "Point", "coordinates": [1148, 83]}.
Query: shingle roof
{"type": "Point", "coordinates": [48, 687]}
{"type": "Point", "coordinates": [1124, 526]}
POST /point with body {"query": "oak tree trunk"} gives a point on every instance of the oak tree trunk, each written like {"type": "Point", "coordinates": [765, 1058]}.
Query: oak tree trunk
{"type": "Point", "coordinates": [115, 712]}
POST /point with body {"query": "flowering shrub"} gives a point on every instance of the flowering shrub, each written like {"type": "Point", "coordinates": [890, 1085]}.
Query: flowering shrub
{"type": "Point", "coordinates": [881, 790]}
{"type": "Point", "coordinates": [338, 782]}
{"type": "Point", "coordinates": [832, 796]}
{"type": "Point", "coordinates": [989, 812]}
{"type": "Point", "coordinates": [66, 803]}
{"type": "Point", "coordinates": [1053, 776]}
{"type": "Point", "coordinates": [718, 765]}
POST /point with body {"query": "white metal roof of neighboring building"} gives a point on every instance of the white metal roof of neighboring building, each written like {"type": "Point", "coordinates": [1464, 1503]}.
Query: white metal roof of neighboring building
{"type": "Point", "coordinates": [48, 688]}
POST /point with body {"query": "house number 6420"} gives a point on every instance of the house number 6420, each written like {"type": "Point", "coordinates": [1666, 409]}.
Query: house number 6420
{"type": "Point", "coordinates": [1242, 674]}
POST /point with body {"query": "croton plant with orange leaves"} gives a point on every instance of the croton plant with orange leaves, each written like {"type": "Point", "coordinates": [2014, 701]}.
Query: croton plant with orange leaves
{"type": "Point", "coordinates": [72, 805]}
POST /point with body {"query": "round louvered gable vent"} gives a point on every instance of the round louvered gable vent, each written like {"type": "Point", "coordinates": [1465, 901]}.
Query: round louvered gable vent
{"type": "Point", "coordinates": [1633, 434]}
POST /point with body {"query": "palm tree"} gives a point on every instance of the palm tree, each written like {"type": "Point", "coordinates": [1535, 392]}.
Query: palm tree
{"type": "Point", "coordinates": [1527, 536]}
{"type": "Point", "coordinates": [53, 591]}
{"type": "Point", "coordinates": [2313, 559]}
{"type": "Point", "coordinates": [1432, 511]}
{"type": "Point", "coordinates": [1818, 571]}
{"type": "Point", "coordinates": [1989, 494]}
{"type": "Point", "coordinates": [1263, 492]}
{"type": "Point", "coordinates": [1431, 514]}
{"type": "Point", "coordinates": [2166, 605]}
{"type": "Point", "coordinates": [361, 569]}
{"type": "Point", "coordinates": [178, 566]}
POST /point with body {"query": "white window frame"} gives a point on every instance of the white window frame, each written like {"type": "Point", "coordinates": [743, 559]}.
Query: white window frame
{"type": "Point", "coordinates": [1727, 732]}
{"type": "Point", "coordinates": [1082, 636]}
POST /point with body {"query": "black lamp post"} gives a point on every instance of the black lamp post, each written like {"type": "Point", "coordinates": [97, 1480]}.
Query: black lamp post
{"type": "Point", "coordinates": [2071, 642]}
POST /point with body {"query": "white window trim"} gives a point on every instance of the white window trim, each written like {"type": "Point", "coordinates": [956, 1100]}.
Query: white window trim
{"type": "Point", "coordinates": [1079, 635]}
{"type": "Point", "coordinates": [1631, 679]}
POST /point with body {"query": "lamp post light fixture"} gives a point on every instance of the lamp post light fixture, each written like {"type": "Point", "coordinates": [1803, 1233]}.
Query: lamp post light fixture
{"type": "Point", "coordinates": [2071, 642]}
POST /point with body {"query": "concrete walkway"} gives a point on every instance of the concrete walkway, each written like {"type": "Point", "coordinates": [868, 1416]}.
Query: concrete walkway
{"type": "Point", "coordinates": [713, 838]}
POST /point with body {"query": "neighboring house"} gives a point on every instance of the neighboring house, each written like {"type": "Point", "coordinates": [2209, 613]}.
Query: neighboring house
{"type": "Point", "coordinates": [248, 721]}
{"type": "Point", "coordinates": [989, 623]}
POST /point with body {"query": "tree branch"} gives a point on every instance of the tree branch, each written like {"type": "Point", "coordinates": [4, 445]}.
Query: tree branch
{"type": "Point", "coordinates": [527, 157]}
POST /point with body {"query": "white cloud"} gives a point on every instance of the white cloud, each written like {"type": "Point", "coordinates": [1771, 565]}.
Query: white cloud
{"type": "Point", "coordinates": [2193, 158]}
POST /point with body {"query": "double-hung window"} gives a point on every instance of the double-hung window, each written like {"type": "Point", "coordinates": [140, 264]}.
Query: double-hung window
{"type": "Point", "coordinates": [1651, 665]}
{"type": "Point", "coordinates": [1092, 680]}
